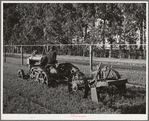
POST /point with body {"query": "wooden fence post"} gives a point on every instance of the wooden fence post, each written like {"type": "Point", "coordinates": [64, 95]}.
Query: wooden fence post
{"type": "Point", "coordinates": [91, 59]}
{"type": "Point", "coordinates": [22, 55]}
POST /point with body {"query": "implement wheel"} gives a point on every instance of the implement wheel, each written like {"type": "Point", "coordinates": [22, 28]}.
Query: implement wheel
{"type": "Point", "coordinates": [76, 84]}
{"type": "Point", "coordinates": [114, 75]}
{"type": "Point", "coordinates": [122, 87]}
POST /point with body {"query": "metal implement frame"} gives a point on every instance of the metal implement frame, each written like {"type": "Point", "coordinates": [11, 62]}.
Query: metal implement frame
{"type": "Point", "coordinates": [94, 95]}
{"type": "Point", "coordinates": [105, 83]}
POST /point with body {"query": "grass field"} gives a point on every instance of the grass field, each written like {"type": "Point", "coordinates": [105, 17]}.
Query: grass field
{"type": "Point", "coordinates": [27, 97]}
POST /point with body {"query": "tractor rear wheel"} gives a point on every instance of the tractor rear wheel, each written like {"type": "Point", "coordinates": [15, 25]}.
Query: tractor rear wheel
{"type": "Point", "coordinates": [43, 78]}
{"type": "Point", "coordinates": [32, 73]}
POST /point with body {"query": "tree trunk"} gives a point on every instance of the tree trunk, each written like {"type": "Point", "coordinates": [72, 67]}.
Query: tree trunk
{"type": "Point", "coordinates": [103, 38]}
{"type": "Point", "coordinates": [120, 48]}
{"type": "Point", "coordinates": [141, 40]}
{"type": "Point", "coordinates": [144, 32]}
{"type": "Point", "coordinates": [120, 51]}
{"type": "Point", "coordinates": [129, 56]}
{"type": "Point", "coordinates": [85, 32]}
{"type": "Point", "coordinates": [111, 47]}
{"type": "Point", "coordinates": [135, 52]}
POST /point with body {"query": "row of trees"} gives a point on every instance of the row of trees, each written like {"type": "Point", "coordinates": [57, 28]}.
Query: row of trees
{"type": "Point", "coordinates": [79, 50]}
{"type": "Point", "coordinates": [68, 23]}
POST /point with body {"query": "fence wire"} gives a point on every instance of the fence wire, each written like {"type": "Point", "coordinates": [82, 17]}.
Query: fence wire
{"type": "Point", "coordinates": [105, 51]}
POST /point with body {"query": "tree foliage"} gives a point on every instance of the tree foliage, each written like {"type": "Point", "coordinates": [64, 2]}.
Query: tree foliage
{"type": "Point", "coordinates": [45, 23]}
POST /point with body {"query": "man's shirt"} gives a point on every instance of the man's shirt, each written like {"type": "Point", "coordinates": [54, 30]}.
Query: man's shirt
{"type": "Point", "coordinates": [51, 55]}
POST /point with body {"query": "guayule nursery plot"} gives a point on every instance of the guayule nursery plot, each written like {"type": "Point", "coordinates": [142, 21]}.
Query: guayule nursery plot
{"type": "Point", "coordinates": [26, 96]}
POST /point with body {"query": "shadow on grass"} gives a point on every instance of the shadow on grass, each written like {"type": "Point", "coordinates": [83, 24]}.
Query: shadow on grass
{"type": "Point", "coordinates": [134, 109]}
{"type": "Point", "coordinates": [55, 84]}
{"type": "Point", "coordinates": [133, 101]}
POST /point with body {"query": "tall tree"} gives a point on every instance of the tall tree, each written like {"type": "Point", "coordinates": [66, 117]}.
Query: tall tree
{"type": "Point", "coordinates": [138, 10]}
{"type": "Point", "coordinates": [85, 18]}
{"type": "Point", "coordinates": [11, 17]}
{"type": "Point", "coordinates": [115, 21]}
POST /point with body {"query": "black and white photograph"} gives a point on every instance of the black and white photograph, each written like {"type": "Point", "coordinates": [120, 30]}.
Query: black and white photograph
{"type": "Point", "coordinates": [74, 60]}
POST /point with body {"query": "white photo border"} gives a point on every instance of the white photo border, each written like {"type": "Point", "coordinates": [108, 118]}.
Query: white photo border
{"type": "Point", "coordinates": [69, 116]}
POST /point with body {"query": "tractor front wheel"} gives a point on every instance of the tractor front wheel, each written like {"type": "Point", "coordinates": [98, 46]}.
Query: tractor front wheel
{"type": "Point", "coordinates": [21, 74]}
